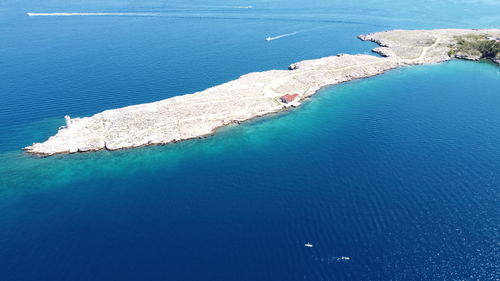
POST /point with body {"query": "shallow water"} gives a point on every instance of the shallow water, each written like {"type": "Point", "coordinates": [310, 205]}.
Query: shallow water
{"type": "Point", "coordinates": [398, 172]}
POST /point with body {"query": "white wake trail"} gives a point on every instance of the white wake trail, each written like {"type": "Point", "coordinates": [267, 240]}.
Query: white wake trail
{"type": "Point", "coordinates": [296, 32]}
{"type": "Point", "coordinates": [280, 36]}
{"type": "Point", "coordinates": [65, 14]}
{"type": "Point", "coordinates": [89, 14]}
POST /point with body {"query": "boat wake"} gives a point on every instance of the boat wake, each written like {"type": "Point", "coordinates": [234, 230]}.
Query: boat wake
{"type": "Point", "coordinates": [330, 260]}
{"type": "Point", "coordinates": [90, 14]}
{"type": "Point", "coordinates": [280, 36]}
{"type": "Point", "coordinates": [296, 32]}
{"type": "Point", "coordinates": [144, 14]}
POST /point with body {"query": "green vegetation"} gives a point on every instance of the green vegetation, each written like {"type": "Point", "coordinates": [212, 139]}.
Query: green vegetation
{"type": "Point", "coordinates": [476, 46]}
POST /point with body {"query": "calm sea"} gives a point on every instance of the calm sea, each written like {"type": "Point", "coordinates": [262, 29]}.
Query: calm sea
{"type": "Point", "coordinates": [399, 172]}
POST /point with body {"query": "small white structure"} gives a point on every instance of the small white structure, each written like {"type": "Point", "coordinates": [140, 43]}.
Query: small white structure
{"type": "Point", "coordinates": [491, 38]}
{"type": "Point", "coordinates": [68, 121]}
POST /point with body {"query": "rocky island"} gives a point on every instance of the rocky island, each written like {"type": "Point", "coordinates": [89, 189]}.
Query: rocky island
{"type": "Point", "coordinates": [256, 94]}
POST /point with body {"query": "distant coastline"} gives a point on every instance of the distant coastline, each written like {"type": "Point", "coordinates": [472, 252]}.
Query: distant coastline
{"type": "Point", "coordinates": [256, 94]}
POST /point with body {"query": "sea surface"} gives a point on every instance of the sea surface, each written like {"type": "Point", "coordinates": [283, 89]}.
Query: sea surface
{"type": "Point", "coordinates": [399, 172]}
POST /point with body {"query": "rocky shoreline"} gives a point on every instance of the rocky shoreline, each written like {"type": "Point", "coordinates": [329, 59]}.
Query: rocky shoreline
{"type": "Point", "coordinates": [252, 95]}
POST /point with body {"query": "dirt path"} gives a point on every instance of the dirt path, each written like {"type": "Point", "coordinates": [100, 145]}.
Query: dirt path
{"type": "Point", "coordinates": [269, 89]}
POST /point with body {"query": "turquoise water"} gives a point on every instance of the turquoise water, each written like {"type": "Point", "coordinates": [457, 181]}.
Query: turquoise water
{"type": "Point", "coordinates": [399, 172]}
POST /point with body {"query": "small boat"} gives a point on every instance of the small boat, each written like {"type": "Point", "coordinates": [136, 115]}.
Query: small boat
{"type": "Point", "coordinates": [344, 258]}
{"type": "Point", "coordinates": [269, 38]}
{"type": "Point", "coordinates": [308, 245]}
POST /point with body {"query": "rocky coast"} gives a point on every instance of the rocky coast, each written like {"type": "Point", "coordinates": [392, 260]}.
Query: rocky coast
{"type": "Point", "coordinates": [252, 95]}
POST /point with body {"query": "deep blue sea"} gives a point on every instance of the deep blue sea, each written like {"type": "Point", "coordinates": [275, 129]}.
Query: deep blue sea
{"type": "Point", "coordinates": [400, 172]}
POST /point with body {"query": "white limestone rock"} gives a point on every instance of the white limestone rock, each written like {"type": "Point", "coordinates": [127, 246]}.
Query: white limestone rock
{"type": "Point", "coordinates": [252, 95]}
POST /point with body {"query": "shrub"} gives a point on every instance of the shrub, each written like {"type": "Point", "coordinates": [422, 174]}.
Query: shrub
{"type": "Point", "coordinates": [476, 43]}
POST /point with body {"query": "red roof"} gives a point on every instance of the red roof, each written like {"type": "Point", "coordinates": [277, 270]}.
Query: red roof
{"type": "Point", "coordinates": [288, 98]}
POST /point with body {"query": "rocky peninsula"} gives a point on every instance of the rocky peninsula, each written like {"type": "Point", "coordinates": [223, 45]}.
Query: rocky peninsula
{"type": "Point", "coordinates": [252, 95]}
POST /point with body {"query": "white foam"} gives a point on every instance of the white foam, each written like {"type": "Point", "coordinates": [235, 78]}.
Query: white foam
{"type": "Point", "coordinates": [280, 36]}
{"type": "Point", "coordinates": [89, 14]}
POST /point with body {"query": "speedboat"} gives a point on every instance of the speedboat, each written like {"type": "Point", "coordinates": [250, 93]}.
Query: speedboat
{"type": "Point", "coordinates": [269, 39]}
{"type": "Point", "coordinates": [308, 245]}
{"type": "Point", "coordinates": [344, 258]}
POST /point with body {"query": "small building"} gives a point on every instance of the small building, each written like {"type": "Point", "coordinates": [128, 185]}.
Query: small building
{"type": "Point", "coordinates": [288, 98]}
{"type": "Point", "coordinates": [68, 121]}
{"type": "Point", "coordinates": [491, 38]}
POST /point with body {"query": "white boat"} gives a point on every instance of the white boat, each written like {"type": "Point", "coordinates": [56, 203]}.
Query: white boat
{"type": "Point", "coordinates": [269, 39]}
{"type": "Point", "coordinates": [308, 245]}
{"type": "Point", "coordinates": [344, 258]}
